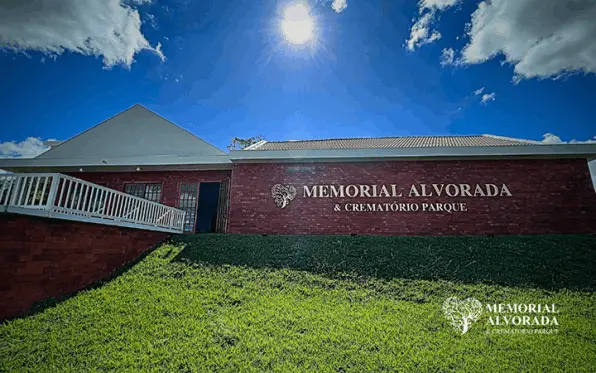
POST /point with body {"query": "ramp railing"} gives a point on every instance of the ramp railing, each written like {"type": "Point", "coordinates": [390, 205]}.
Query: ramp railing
{"type": "Point", "coordinates": [64, 197]}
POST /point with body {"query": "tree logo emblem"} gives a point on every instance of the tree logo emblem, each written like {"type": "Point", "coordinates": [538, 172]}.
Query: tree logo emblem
{"type": "Point", "coordinates": [283, 194]}
{"type": "Point", "coordinates": [461, 313]}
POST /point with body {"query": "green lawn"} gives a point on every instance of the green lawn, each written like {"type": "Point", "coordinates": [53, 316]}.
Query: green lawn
{"type": "Point", "coordinates": [322, 304]}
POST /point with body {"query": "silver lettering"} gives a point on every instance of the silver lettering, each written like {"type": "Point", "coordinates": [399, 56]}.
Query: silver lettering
{"type": "Point", "coordinates": [335, 192]}
{"type": "Point", "coordinates": [413, 191]}
{"type": "Point", "coordinates": [505, 191]}
{"type": "Point", "coordinates": [438, 190]}
{"type": "Point", "coordinates": [465, 190]}
{"type": "Point", "coordinates": [310, 193]}
{"type": "Point", "coordinates": [374, 192]}
{"type": "Point", "coordinates": [394, 191]}
{"type": "Point", "coordinates": [383, 192]}
{"type": "Point", "coordinates": [423, 189]}
{"type": "Point", "coordinates": [478, 191]}
{"type": "Point", "coordinates": [491, 190]}
{"type": "Point", "coordinates": [365, 191]}
{"type": "Point", "coordinates": [323, 191]}
{"type": "Point", "coordinates": [452, 190]}
{"type": "Point", "coordinates": [353, 189]}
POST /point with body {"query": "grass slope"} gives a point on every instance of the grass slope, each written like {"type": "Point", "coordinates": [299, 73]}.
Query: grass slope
{"type": "Point", "coordinates": [320, 304]}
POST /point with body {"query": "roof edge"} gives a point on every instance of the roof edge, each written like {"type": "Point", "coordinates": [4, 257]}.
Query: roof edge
{"type": "Point", "coordinates": [545, 150]}
{"type": "Point", "coordinates": [87, 130]}
{"type": "Point", "coordinates": [182, 128]}
{"type": "Point", "coordinates": [137, 105]}
{"type": "Point", "coordinates": [162, 161]}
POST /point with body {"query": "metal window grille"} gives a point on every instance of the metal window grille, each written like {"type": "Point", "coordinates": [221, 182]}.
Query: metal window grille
{"type": "Point", "coordinates": [188, 203]}
{"type": "Point", "coordinates": [152, 192]}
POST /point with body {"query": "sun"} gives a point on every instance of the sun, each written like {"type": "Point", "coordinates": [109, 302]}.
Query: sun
{"type": "Point", "coordinates": [298, 25]}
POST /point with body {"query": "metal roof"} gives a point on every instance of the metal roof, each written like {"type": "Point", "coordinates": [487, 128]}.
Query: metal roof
{"type": "Point", "coordinates": [392, 142]}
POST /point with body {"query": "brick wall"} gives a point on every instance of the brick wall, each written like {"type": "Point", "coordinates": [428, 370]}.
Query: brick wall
{"type": "Point", "coordinates": [548, 196]}
{"type": "Point", "coordinates": [170, 180]}
{"type": "Point", "coordinates": [42, 258]}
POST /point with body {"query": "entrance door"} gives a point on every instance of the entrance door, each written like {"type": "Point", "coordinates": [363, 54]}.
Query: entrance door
{"type": "Point", "coordinates": [207, 209]}
{"type": "Point", "coordinates": [223, 207]}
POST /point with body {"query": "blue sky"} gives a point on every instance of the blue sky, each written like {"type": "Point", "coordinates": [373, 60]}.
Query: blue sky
{"type": "Point", "coordinates": [227, 71]}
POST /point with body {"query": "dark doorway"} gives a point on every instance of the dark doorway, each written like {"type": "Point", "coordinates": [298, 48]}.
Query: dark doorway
{"type": "Point", "coordinates": [207, 211]}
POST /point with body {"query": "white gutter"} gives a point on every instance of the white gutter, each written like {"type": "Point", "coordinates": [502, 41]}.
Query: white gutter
{"type": "Point", "coordinates": [161, 162]}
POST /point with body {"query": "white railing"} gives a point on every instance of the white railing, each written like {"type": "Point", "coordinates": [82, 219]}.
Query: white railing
{"type": "Point", "coordinates": [64, 197]}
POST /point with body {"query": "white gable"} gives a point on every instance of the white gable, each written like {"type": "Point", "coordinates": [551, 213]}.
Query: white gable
{"type": "Point", "coordinates": [136, 132]}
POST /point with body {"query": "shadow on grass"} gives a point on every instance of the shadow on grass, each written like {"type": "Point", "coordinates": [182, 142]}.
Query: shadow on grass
{"type": "Point", "coordinates": [549, 262]}
{"type": "Point", "coordinates": [50, 302]}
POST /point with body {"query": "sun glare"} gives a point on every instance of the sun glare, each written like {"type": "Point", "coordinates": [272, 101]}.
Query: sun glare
{"type": "Point", "coordinates": [298, 25]}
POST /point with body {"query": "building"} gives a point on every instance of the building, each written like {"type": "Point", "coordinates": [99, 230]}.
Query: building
{"type": "Point", "coordinates": [447, 185]}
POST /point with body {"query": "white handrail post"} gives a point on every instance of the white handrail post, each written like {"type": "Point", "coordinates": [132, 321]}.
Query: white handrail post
{"type": "Point", "coordinates": [13, 198]}
{"type": "Point", "coordinates": [7, 187]}
{"type": "Point", "coordinates": [53, 191]}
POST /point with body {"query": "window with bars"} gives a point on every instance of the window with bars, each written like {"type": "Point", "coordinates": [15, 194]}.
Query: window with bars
{"type": "Point", "coordinates": [152, 192]}
{"type": "Point", "coordinates": [188, 203]}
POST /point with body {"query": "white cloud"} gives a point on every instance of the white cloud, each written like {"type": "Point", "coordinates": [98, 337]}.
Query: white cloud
{"type": "Point", "coordinates": [29, 148]}
{"type": "Point", "coordinates": [550, 138]}
{"type": "Point", "coordinates": [447, 57]}
{"type": "Point", "coordinates": [421, 32]}
{"type": "Point", "coordinates": [488, 97]}
{"type": "Point", "coordinates": [151, 20]}
{"type": "Point", "coordinates": [109, 29]}
{"type": "Point", "coordinates": [339, 5]}
{"type": "Point", "coordinates": [479, 91]}
{"type": "Point", "coordinates": [437, 4]}
{"type": "Point", "coordinates": [541, 38]}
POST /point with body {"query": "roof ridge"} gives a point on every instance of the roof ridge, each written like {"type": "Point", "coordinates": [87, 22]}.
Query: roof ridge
{"type": "Point", "coordinates": [512, 139]}
{"type": "Point", "coordinates": [256, 145]}
{"type": "Point", "coordinates": [375, 138]}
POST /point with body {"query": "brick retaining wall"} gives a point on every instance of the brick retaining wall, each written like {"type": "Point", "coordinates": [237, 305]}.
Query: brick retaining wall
{"type": "Point", "coordinates": [42, 258]}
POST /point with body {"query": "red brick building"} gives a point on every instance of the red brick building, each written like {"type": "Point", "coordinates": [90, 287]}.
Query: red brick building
{"type": "Point", "coordinates": [449, 185]}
